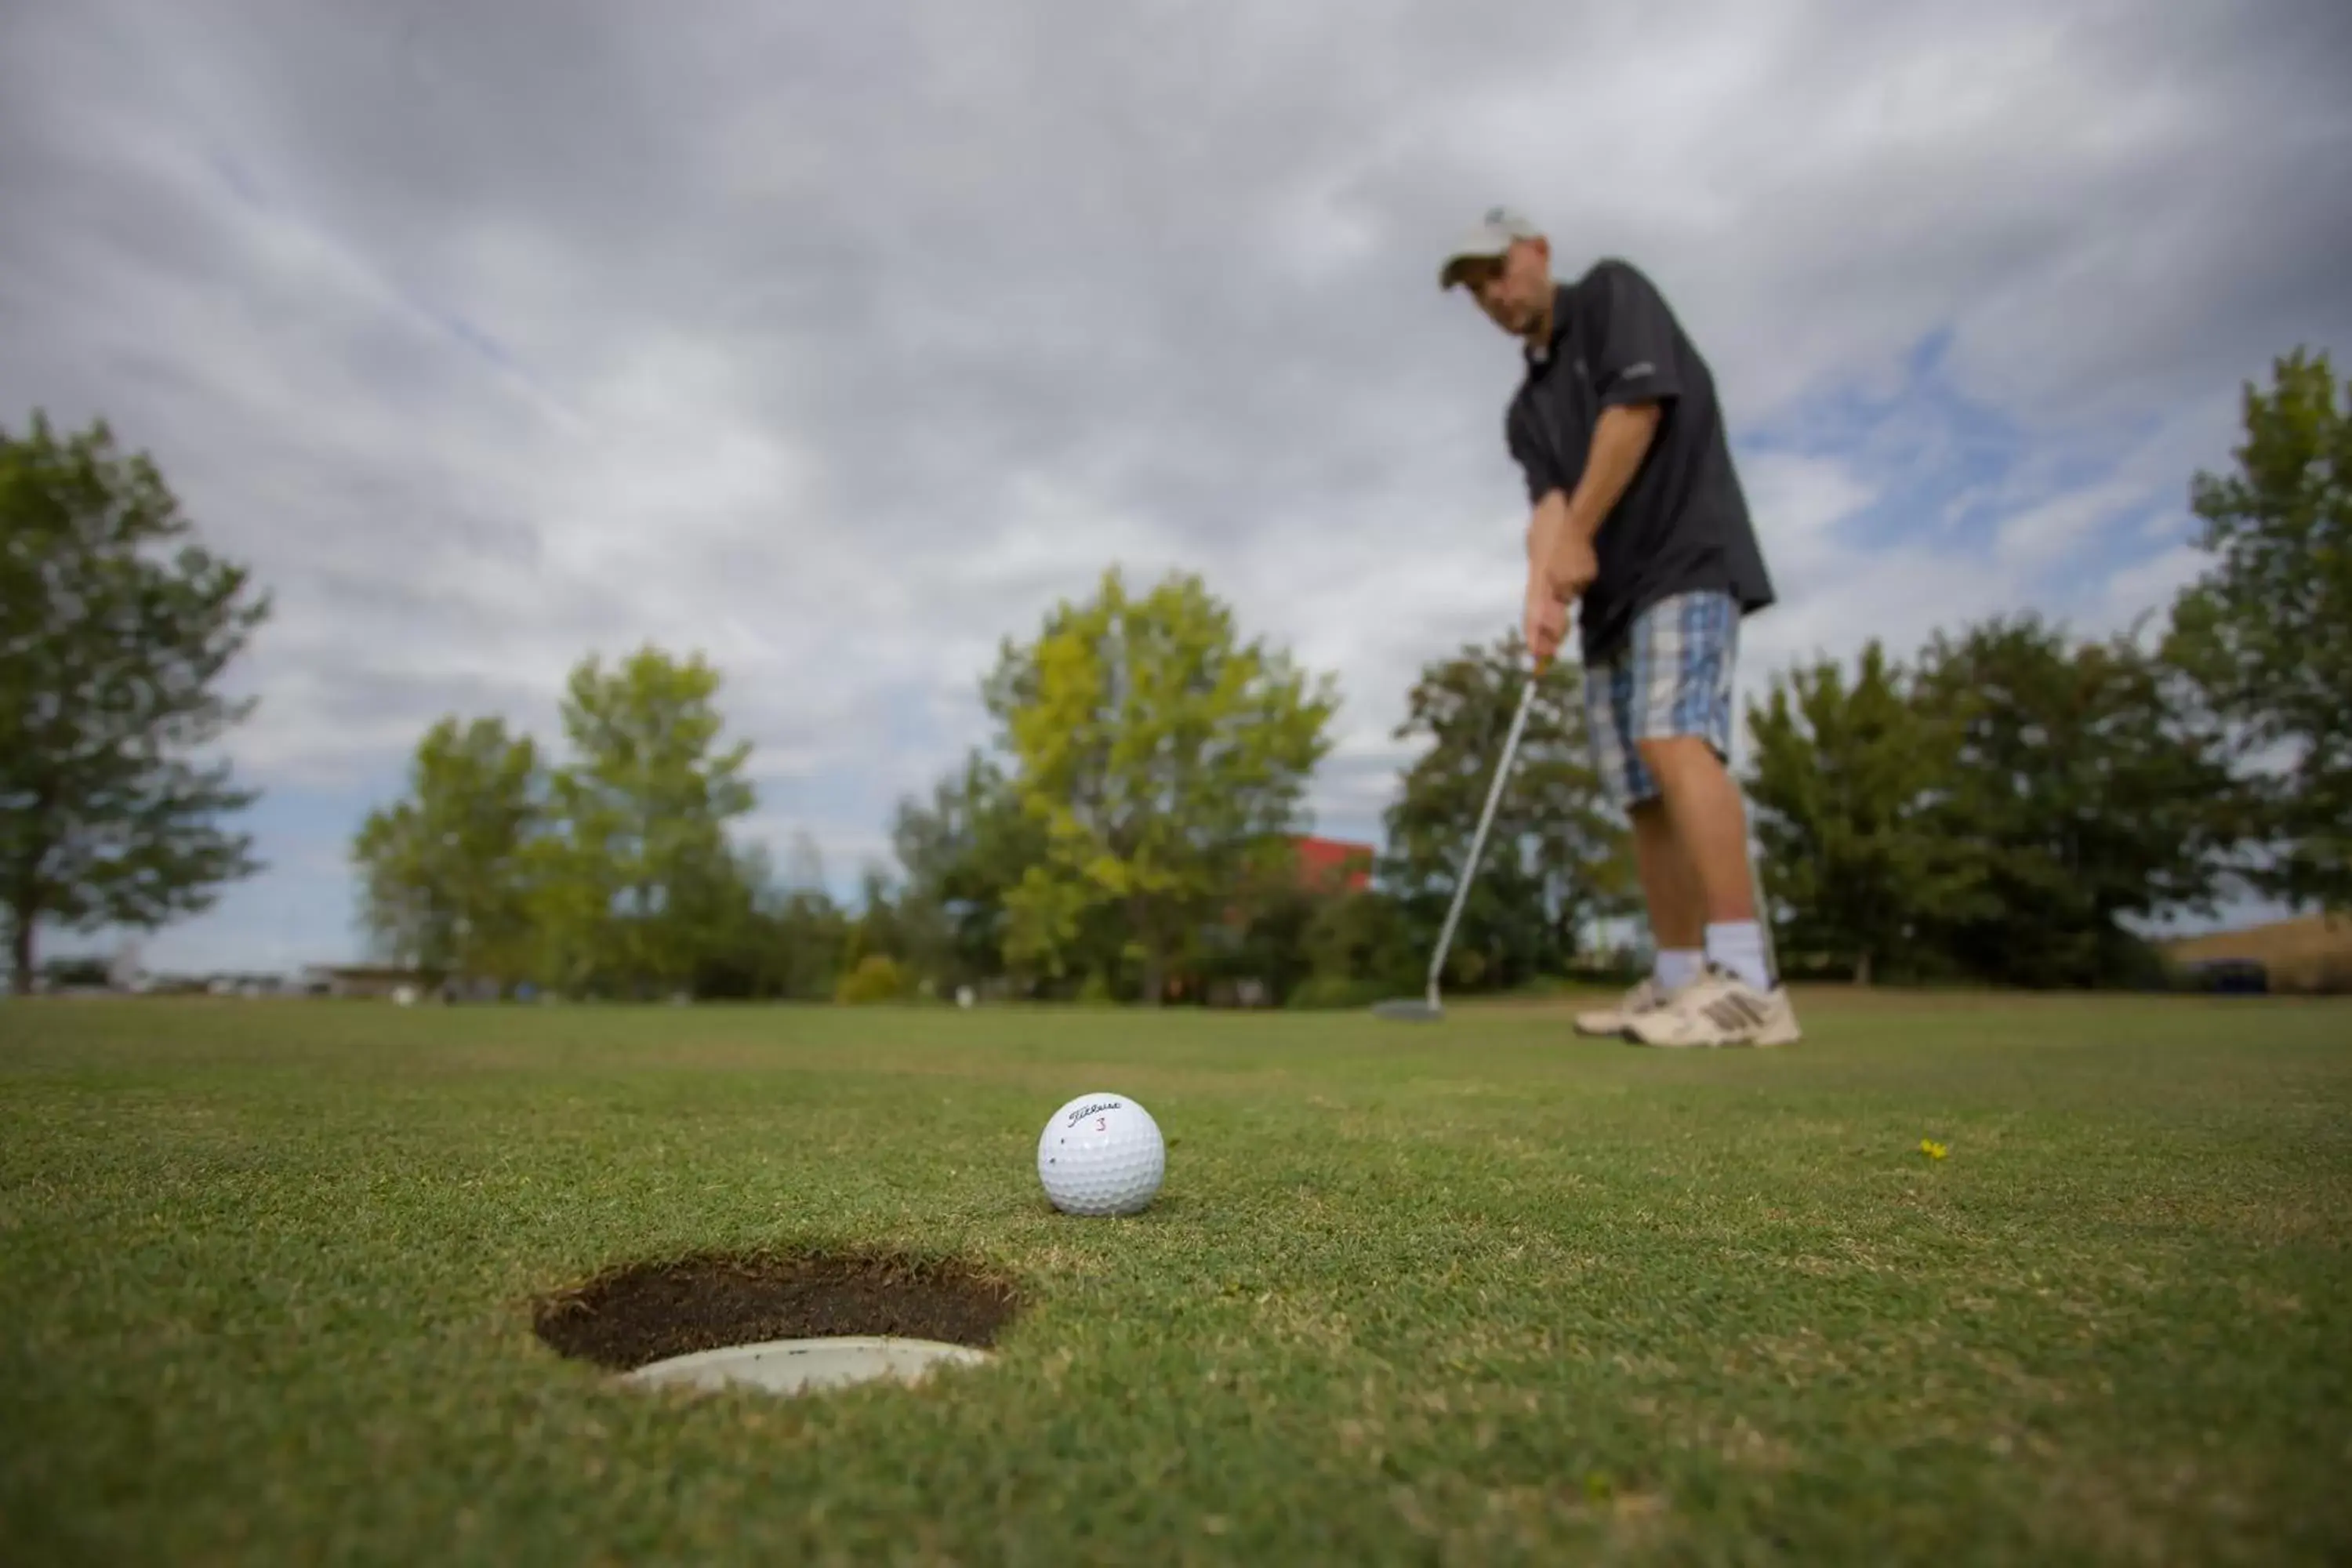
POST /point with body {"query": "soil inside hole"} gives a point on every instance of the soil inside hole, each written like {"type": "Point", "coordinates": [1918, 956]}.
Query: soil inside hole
{"type": "Point", "coordinates": [629, 1316]}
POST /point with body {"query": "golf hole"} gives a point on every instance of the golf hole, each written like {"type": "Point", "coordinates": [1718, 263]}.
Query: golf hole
{"type": "Point", "coordinates": [787, 1324]}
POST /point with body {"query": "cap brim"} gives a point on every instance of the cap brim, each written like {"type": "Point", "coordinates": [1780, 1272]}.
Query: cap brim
{"type": "Point", "coordinates": [1450, 273]}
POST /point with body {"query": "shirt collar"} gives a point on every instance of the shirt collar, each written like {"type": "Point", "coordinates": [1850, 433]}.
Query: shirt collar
{"type": "Point", "coordinates": [1541, 354]}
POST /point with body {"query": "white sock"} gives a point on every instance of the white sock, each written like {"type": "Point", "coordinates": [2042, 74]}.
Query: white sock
{"type": "Point", "coordinates": [1675, 967]}
{"type": "Point", "coordinates": [1738, 946]}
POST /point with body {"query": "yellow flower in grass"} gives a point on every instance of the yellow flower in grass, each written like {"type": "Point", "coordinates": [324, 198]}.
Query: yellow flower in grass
{"type": "Point", "coordinates": [1933, 1150]}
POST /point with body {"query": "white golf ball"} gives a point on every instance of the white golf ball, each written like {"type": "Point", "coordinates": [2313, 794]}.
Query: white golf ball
{"type": "Point", "coordinates": [1101, 1154]}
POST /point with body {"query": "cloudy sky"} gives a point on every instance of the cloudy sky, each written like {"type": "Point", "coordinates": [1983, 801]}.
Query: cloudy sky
{"type": "Point", "coordinates": [839, 341]}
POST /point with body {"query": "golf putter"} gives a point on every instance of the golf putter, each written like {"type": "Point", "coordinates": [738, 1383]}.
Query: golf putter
{"type": "Point", "coordinates": [1426, 1008]}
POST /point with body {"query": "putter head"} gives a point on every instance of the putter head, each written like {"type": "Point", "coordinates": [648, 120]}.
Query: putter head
{"type": "Point", "coordinates": [1408, 1009]}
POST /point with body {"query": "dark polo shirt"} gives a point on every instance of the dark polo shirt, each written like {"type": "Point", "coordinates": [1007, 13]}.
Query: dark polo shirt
{"type": "Point", "coordinates": [1683, 522]}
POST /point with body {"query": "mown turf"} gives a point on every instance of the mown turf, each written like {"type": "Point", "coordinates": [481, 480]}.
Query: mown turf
{"type": "Point", "coordinates": [1477, 1292]}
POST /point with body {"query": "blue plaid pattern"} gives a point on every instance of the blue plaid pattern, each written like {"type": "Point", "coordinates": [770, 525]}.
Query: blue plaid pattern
{"type": "Point", "coordinates": [1672, 675]}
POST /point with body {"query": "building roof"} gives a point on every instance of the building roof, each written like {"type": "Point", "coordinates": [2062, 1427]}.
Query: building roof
{"type": "Point", "coordinates": [1335, 860]}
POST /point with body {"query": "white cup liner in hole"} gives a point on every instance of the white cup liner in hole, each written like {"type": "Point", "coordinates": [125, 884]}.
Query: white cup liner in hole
{"type": "Point", "coordinates": [797, 1366]}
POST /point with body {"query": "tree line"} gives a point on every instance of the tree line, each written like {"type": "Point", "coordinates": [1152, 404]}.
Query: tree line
{"type": "Point", "coordinates": [2009, 804]}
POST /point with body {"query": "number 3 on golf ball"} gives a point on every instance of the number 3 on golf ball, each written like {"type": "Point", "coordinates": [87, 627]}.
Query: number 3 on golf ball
{"type": "Point", "coordinates": [1101, 1154]}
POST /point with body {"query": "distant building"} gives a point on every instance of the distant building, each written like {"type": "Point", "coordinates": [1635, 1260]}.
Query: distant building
{"type": "Point", "coordinates": [375, 980]}
{"type": "Point", "coordinates": [1334, 865]}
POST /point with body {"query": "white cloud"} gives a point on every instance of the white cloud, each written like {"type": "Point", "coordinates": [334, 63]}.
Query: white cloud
{"type": "Point", "coordinates": [2046, 533]}
{"type": "Point", "coordinates": [1798, 504]}
{"type": "Point", "coordinates": [2149, 584]}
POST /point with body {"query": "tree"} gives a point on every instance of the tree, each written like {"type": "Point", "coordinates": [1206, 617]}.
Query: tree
{"type": "Point", "coordinates": [882, 925]}
{"type": "Point", "coordinates": [2267, 632]}
{"type": "Point", "coordinates": [445, 873]}
{"type": "Point", "coordinates": [962, 853]}
{"type": "Point", "coordinates": [811, 936]}
{"type": "Point", "coordinates": [1300, 931]}
{"type": "Point", "coordinates": [2092, 791]}
{"type": "Point", "coordinates": [874, 977]}
{"type": "Point", "coordinates": [115, 629]}
{"type": "Point", "coordinates": [1164, 757]}
{"type": "Point", "coordinates": [1844, 781]}
{"type": "Point", "coordinates": [738, 956]}
{"type": "Point", "coordinates": [1360, 946]}
{"type": "Point", "coordinates": [640, 873]}
{"type": "Point", "coordinates": [768, 937]}
{"type": "Point", "coordinates": [1556, 855]}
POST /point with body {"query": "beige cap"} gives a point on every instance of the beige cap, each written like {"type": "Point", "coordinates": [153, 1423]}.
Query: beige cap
{"type": "Point", "coordinates": [1487, 240]}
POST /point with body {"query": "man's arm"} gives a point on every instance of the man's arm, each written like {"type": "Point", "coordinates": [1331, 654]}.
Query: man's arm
{"type": "Point", "coordinates": [1635, 374]}
{"type": "Point", "coordinates": [1619, 438]}
{"type": "Point", "coordinates": [1560, 535]}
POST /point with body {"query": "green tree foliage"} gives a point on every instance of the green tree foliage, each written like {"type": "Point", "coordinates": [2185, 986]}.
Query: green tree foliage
{"type": "Point", "coordinates": [1261, 944]}
{"type": "Point", "coordinates": [1359, 948]}
{"type": "Point", "coordinates": [807, 934]}
{"type": "Point", "coordinates": [874, 977]}
{"type": "Point", "coordinates": [83, 970]}
{"type": "Point", "coordinates": [811, 936]}
{"type": "Point", "coordinates": [638, 877]}
{"type": "Point", "coordinates": [1264, 939]}
{"type": "Point", "coordinates": [2090, 791]}
{"type": "Point", "coordinates": [894, 921]}
{"type": "Point", "coordinates": [1164, 758]}
{"type": "Point", "coordinates": [1558, 853]}
{"type": "Point", "coordinates": [446, 872]}
{"type": "Point", "coordinates": [1845, 783]}
{"type": "Point", "coordinates": [961, 854]}
{"type": "Point", "coordinates": [882, 924]}
{"type": "Point", "coordinates": [115, 629]}
{"type": "Point", "coordinates": [2267, 633]}
{"type": "Point", "coordinates": [739, 956]}
{"type": "Point", "coordinates": [1364, 936]}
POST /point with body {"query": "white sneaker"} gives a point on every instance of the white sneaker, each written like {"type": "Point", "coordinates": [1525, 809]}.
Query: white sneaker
{"type": "Point", "coordinates": [1646, 997]}
{"type": "Point", "coordinates": [1718, 1008]}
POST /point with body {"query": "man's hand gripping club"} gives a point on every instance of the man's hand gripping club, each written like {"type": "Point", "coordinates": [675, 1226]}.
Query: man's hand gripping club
{"type": "Point", "coordinates": [1561, 562]}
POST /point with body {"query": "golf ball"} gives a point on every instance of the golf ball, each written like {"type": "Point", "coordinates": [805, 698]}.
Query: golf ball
{"type": "Point", "coordinates": [1101, 1154]}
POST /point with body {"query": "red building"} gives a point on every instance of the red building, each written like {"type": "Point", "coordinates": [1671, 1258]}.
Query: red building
{"type": "Point", "coordinates": [1334, 864]}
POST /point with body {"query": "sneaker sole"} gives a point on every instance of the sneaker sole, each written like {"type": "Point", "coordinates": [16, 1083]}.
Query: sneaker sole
{"type": "Point", "coordinates": [1762, 1043]}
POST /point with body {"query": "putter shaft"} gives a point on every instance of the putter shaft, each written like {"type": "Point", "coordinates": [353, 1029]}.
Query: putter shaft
{"type": "Point", "coordinates": [1479, 841]}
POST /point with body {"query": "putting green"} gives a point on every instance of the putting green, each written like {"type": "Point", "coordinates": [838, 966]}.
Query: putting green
{"type": "Point", "coordinates": [1475, 1291]}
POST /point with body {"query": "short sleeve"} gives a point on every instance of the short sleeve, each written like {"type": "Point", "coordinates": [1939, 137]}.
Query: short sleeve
{"type": "Point", "coordinates": [1534, 460]}
{"type": "Point", "coordinates": [1634, 359]}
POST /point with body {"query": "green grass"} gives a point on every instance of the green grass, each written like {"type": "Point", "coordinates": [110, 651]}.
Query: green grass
{"type": "Point", "coordinates": [1474, 1293]}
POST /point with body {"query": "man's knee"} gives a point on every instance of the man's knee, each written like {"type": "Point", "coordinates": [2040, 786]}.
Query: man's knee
{"type": "Point", "coordinates": [1671, 757]}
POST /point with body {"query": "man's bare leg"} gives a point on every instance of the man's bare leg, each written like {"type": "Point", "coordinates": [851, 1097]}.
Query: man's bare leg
{"type": "Point", "coordinates": [1671, 887]}
{"type": "Point", "coordinates": [1710, 828]}
{"type": "Point", "coordinates": [1677, 911]}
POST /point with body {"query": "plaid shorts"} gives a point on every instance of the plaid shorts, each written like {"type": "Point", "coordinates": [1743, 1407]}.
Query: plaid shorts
{"type": "Point", "coordinates": [1672, 675]}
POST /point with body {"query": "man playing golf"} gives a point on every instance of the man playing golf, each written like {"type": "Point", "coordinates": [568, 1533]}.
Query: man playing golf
{"type": "Point", "coordinates": [1640, 522]}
